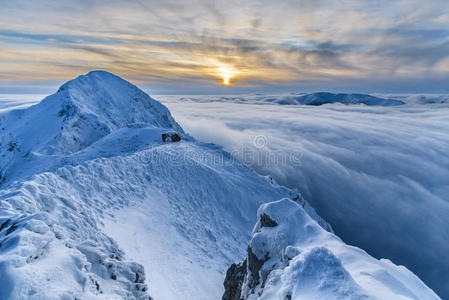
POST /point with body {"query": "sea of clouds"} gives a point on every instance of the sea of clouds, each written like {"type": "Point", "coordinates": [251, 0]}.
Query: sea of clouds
{"type": "Point", "coordinates": [379, 175]}
{"type": "Point", "coordinates": [15, 101]}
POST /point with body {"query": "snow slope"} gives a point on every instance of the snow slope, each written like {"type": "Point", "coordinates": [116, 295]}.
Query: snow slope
{"type": "Point", "coordinates": [94, 206]}
{"type": "Point", "coordinates": [311, 263]}
{"type": "Point", "coordinates": [82, 112]}
{"type": "Point", "coordinates": [79, 164]}
{"type": "Point", "coordinates": [182, 206]}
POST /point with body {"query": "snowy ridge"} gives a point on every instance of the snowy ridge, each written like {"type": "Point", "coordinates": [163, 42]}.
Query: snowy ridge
{"type": "Point", "coordinates": [82, 112]}
{"type": "Point", "coordinates": [311, 263]}
{"type": "Point", "coordinates": [59, 228]}
{"type": "Point", "coordinates": [95, 206]}
{"type": "Point", "coordinates": [68, 207]}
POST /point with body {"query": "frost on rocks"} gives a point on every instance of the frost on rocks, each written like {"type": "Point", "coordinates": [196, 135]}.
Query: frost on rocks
{"type": "Point", "coordinates": [291, 257]}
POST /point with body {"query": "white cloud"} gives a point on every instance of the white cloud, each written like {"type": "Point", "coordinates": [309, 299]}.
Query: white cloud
{"type": "Point", "coordinates": [379, 175]}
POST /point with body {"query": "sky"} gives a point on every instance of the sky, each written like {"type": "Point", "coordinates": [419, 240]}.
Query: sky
{"type": "Point", "coordinates": [199, 46]}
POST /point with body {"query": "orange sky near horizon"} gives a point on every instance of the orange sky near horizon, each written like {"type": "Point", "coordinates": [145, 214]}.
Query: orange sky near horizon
{"type": "Point", "coordinates": [351, 44]}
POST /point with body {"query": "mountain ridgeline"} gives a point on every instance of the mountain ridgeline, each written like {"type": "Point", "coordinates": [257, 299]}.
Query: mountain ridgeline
{"type": "Point", "coordinates": [96, 204]}
{"type": "Point", "coordinates": [321, 98]}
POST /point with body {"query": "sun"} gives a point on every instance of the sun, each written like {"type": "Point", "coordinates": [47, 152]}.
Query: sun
{"type": "Point", "coordinates": [226, 73]}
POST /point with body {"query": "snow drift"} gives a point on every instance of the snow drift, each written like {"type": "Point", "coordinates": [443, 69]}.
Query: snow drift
{"type": "Point", "coordinates": [311, 263]}
{"type": "Point", "coordinates": [94, 205]}
{"type": "Point", "coordinates": [80, 167]}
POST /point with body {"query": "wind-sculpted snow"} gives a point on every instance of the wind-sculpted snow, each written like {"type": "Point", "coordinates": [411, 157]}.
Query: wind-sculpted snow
{"type": "Point", "coordinates": [51, 245]}
{"type": "Point", "coordinates": [79, 177]}
{"type": "Point", "coordinates": [190, 227]}
{"type": "Point", "coordinates": [311, 263]}
{"type": "Point", "coordinates": [378, 175]}
{"type": "Point", "coordinates": [94, 205]}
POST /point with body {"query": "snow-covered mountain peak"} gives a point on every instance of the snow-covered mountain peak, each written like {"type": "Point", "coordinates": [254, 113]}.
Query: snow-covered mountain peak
{"type": "Point", "coordinates": [82, 112]}
{"type": "Point", "coordinates": [96, 204]}
{"type": "Point", "coordinates": [114, 101]}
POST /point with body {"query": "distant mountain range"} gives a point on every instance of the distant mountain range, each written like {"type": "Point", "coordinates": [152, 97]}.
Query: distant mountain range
{"type": "Point", "coordinates": [314, 99]}
{"type": "Point", "coordinates": [328, 98]}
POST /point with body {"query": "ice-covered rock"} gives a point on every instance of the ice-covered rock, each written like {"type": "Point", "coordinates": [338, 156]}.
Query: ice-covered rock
{"type": "Point", "coordinates": [291, 257]}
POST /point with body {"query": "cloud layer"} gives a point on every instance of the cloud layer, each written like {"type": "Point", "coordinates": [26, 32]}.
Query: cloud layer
{"type": "Point", "coordinates": [181, 45]}
{"type": "Point", "coordinates": [379, 175]}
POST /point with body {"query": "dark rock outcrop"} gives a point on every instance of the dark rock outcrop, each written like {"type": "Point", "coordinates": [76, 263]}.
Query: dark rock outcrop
{"type": "Point", "coordinates": [266, 221]}
{"type": "Point", "coordinates": [233, 281]}
{"type": "Point", "coordinates": [251, 276]}
{"type": "Point", "coordinates": [254, 266]}
{"type": "Point", "coordinates": [171, 137]}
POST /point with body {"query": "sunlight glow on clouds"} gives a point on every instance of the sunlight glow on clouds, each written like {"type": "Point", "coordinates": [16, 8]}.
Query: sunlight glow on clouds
{"type": "Point", "coordinates": [227, 73]}
{"type": "Point", "coordinates": [361, 45]}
